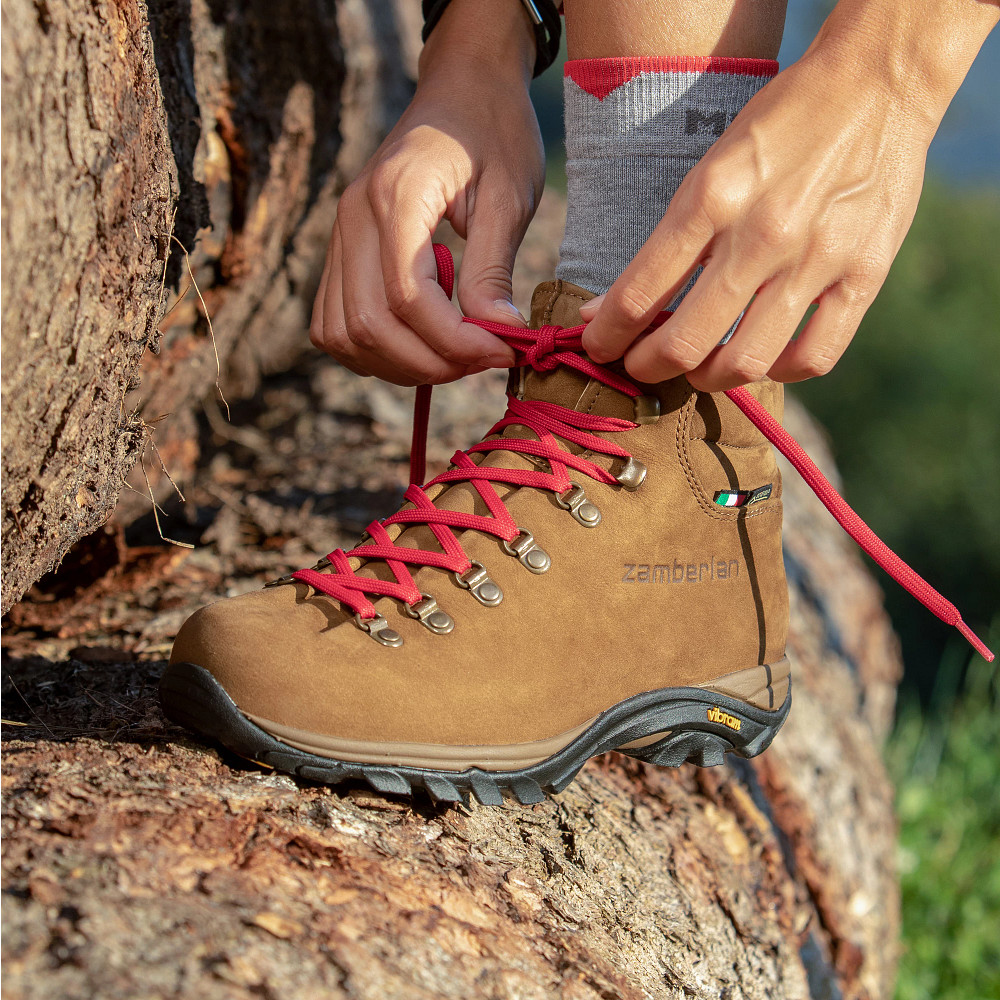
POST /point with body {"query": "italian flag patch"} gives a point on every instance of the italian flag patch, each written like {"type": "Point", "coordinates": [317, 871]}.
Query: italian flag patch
{"type": "Point", "coordinates": [729, 499]}
{"type": "Point", "coordinates": [740, 498]}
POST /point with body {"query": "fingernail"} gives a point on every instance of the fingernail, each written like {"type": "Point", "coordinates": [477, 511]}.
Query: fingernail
{"type": "Point", "coordinates": [592, 305]}
{"type": "Point", "coordinates": [505, 305]}
{"type": "Point", "coordinates": [496, 361]}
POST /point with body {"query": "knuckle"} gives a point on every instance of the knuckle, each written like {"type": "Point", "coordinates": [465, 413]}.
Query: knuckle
{"type": "Point", "coordinates": [494, 274]}
{"type": "Point", "coordinates": [789, 303]}
{"type": "Point", "coordinates": [712, 192]}
{"type": "Point", "coordinates": [362, 329]}
{"type": "Point", "coordinates": [731, 284]}
{"type": "Point", "coordinates": [632, 304]}
{"type": "Point", "coordinates": [678, 351]}
{"type": "Point", "coordinates": [402, 294]}
{"type": "Point", "coordinates": [816, 363]}
{"type": "Point", "coordinates": [316, 336]}
{"type": "Point", "coordinates": [507, 202]}
{"type": "Point", "coordinates": [747, 368]}
{"type": "Point", "coordinates": [382, 181]}
{"type": "Point", "coordinates": [776, 228]}
{"type": "Point", "coordinates": [857, 293]}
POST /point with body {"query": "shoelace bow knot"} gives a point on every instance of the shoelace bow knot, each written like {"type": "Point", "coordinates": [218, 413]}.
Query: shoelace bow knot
{"type": "Point", "coordinates": [544, 350]}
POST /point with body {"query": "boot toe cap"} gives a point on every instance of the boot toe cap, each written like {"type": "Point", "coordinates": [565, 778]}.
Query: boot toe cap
{"type": "Point", "coordinates": [249, 643]}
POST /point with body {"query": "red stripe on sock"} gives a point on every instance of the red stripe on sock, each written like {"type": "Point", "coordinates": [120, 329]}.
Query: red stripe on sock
{"type": "Point", "coordinates": [601, 76]}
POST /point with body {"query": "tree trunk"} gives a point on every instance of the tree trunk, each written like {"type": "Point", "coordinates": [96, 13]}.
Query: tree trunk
{"type": "Point", "coordinates": [131, 132]}
{"type": "Point", "coordinates": [138, 863]}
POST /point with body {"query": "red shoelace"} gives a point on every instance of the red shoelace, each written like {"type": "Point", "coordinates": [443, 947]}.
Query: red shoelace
{"type": "Point", "coordinates": [543, 350]}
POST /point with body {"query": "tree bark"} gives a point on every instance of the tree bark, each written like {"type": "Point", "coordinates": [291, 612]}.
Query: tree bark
{"type": "Point", "coordinates": [131, 132]}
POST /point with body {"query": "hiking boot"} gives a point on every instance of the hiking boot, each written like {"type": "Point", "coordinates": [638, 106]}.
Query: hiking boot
{"type": "Point", "coordinates": [603, 572]}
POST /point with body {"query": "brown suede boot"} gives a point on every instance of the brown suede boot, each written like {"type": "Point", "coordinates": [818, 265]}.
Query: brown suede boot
{"type": "Point", "coordinates": [610, 580]}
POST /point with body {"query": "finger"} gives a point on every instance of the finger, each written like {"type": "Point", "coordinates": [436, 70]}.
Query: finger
{"type": "Point", "coordinates": [327, 330]}
{"type": "Point", "coordinates": [411, 290]}
{"type": "Point", "coordinates": [825, 338]}
{"type": "Point", "coordinates": [700, 322]}
{"type": "Point", "coordinates": [651, 281]}
{"type": "Point", "coordinates": [496, 227]}
{"type": "Point", "coordinates": [327, 311]}
{"type": "Point", "coordinates": [316, 334]}
{"type": "Point", "coordinates": [768, 324]}
{"type": "Point", "coordinates": [333, 338]}
{"type": "Point", "coordinates": [385, 345]}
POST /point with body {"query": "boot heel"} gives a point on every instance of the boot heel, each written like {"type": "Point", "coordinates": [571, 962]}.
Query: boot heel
{"type": "Point", "coordinates": [704, 729]}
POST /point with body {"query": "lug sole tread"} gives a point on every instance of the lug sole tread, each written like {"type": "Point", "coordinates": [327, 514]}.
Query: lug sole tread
{"type": "Point", "coordinates": [194, 699]}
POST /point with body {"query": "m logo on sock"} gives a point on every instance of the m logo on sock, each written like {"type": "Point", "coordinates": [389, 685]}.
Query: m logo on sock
{"type": "Point", "coordinates": [699, 122]}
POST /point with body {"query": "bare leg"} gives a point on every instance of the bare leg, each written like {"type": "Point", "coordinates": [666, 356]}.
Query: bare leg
{"type": "Point", "coordinates": [740, 28]}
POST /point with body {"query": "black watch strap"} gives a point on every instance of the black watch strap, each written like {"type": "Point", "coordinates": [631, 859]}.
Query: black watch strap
{"type": "Point", "coordinates": [545, 19]}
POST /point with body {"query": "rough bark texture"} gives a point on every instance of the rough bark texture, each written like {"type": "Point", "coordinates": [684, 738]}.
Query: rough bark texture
{"type": "Point", "coordinates": [88, 183]}
{"type": "Point", "coordinates": [231, 127]}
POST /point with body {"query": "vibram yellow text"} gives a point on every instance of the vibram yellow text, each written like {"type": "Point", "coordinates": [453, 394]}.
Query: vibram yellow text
{"type": "Point", "coordinates": [716, 715]}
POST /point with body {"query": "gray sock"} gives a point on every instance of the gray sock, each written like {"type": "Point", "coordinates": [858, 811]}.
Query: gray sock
{"type": "Point", "coordinates": [634, 127]}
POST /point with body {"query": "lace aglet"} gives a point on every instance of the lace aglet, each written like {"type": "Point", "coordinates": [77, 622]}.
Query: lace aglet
{"type": "Point", "coordinates": [977, 644]}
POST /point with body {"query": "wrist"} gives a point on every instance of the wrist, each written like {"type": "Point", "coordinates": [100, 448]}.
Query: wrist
{"type": "Point", "coordinates": [495, 39]}
{"type": "Point", "coordinates": [915, 54]}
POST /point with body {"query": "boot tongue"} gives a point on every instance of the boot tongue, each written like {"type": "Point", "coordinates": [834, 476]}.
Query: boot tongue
{"type": "Point", "coordinates": [557, 303]}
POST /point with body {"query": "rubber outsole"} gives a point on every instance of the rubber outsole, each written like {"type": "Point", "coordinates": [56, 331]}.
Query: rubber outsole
{"type": "Point", "coordinates": [193, 698]}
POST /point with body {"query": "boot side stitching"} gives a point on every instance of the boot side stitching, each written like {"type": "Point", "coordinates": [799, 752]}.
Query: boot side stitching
{"type": "Point", "coordinates": [682, 437]}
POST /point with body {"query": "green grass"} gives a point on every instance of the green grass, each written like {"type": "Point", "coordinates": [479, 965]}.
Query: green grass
{"type": "Point", "coordinates": [945, 761]}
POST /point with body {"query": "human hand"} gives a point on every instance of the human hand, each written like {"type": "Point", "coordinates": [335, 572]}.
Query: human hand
{"type": "Point", "coordinates": [806, 197]}
{"type": "Point", "coordinates": [466, 149]}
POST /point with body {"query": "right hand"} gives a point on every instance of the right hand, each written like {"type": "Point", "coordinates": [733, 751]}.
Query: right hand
{"type": "Point", "coordinates": [467, 149]}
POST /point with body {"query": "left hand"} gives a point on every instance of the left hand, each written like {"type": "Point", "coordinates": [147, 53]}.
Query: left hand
{"type": "Point", "coordinates": [805, 198]}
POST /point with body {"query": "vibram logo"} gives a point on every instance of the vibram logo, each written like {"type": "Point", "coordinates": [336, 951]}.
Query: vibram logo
{"type": "Point", "coordinates": [715, 714]}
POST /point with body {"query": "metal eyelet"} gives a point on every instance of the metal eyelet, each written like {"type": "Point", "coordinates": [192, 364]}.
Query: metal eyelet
{"type": "Point", "coordinates": [477, 581]}
{"type": "Point", "coordinates": [631, 475]}
{"type": "Point", "coordinates": [583, 510]}
{"type": "Point", "coordinates": [527, 552]}
{"type": "Point", "coordinates": [290, 577]}
{"type": "Point", "coordinates": [647, 409]}
{"type": "Point", "coordinates": [427, 612]}
{"type": "Point", "coordinates": [378, 629]}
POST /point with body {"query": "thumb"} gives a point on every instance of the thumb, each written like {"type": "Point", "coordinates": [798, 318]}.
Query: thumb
{"type": "Point", "coordinates": [495, 230]}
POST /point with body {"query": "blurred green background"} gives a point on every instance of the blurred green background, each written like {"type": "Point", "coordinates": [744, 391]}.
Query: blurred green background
{"type": "Point", "coordinates": [913, 416]}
